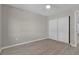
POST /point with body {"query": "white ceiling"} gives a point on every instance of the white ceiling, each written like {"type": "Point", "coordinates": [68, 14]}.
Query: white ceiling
{"type": "Point", "coordinates": [40, 8]}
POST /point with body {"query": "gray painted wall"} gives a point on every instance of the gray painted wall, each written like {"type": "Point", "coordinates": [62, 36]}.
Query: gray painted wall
{"type": "Point", "coordinates": [0, 26]}
{"type": "Point", "coordinates": [72, 22]}
{"type": "Point", "coordinates": [22, 26]}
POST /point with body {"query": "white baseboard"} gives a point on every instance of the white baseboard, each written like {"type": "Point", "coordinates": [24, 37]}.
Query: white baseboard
{"type": "Point", "coordinates": [27, 43]}
{"type": "Point", "coordinates": [21, 43]}
{"type": "Point", "coordinates": [73, 45]}
{"type": "Point", "coordinates": [59, 41]}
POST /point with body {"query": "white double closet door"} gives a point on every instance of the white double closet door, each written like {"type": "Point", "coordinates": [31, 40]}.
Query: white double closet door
{"type": "Point", "coordinates": [59, 29]}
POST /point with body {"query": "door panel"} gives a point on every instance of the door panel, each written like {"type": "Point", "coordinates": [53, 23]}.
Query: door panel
{"type": "Point", "coordinates": [59, 29]}
{"type": "Point", "coordinates": [63, 29]}
{"type": "Point", "coordinates": [53, 29]}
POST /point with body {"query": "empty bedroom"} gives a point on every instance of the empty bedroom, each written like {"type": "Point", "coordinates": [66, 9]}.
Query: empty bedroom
{"type": "Point", "coordinates": [39, 29]}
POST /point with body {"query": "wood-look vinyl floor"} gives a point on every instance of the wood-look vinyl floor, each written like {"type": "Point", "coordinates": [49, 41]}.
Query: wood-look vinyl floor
{"type": "Point", "coordinates": [42, 47]}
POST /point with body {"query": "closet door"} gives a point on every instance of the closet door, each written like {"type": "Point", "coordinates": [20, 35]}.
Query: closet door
{"type": "Point", "coordinates": [63, 29]}
{"type": "Point", "coordinates": [53, 29]}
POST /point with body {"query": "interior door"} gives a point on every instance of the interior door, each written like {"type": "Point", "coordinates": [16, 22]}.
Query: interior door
{"type": "Point", "coordinates": [63, 29]}
{"type": "Point", "coordinates": [53, 29]}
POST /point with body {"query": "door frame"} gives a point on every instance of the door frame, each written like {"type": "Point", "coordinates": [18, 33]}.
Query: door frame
{"type": "Point", "coordinates": [75, 30]}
